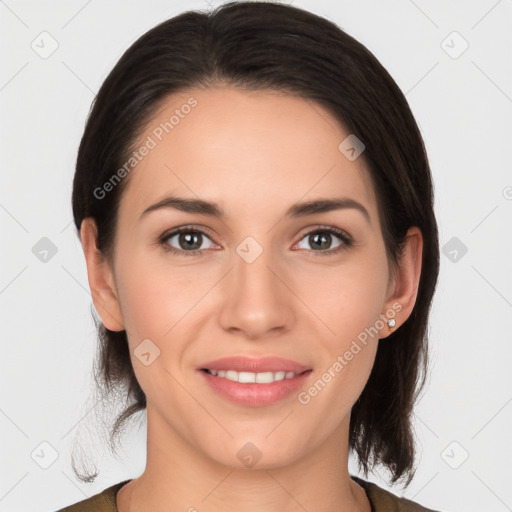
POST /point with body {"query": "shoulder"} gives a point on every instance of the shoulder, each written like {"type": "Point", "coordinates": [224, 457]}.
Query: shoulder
{"type": "Point", "coordinates": [104, 501]}
{"type": "Point", "coordinates": [385, 501]}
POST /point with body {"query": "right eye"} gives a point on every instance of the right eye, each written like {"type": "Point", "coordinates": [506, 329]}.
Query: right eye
{"type": "Point", "coordinates": [187, 241]}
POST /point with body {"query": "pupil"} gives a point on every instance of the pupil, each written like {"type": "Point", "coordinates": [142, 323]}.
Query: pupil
{"type": "Point", "coordinates": [187, 240]}
{"type": "Point", "coordinates": [324, 239]}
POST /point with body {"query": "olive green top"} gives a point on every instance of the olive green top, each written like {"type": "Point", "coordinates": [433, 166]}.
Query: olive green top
{"type": "Point", "coordinates": [380, 500]}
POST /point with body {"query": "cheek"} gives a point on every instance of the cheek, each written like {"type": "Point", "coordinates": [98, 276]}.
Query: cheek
{"type": "Point", "coordinates": [154, 297]}
{"type": "Point", "coordinates": [347, 298]}
{"type": "Point", "coordinates": [349, 301]}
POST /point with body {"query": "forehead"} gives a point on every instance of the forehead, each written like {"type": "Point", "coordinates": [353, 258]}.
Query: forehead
{"type": "Point", "coordinates": [250, 150]}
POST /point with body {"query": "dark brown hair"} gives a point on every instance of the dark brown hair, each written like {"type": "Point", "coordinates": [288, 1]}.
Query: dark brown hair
{"type": "Point", "coordinates": [269, 46]}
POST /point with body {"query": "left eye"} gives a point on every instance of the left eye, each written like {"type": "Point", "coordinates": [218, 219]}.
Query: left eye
{"type": "Point", "coordinates": [321, 240]}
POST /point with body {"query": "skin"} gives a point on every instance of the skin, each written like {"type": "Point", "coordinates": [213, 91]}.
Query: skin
{"type": "Point", "coordinates": [255, 153]}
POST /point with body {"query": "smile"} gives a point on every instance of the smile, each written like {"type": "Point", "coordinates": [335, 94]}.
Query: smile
{"type": "Point", "coordinates": [251, 377]}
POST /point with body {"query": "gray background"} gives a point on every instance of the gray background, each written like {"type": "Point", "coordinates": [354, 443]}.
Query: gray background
{"type": "Point", "coordinates": [462, 101]}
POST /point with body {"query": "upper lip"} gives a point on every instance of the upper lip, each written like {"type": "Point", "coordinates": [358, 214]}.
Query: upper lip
{"type": "Point", "coordinates": [255, 365]}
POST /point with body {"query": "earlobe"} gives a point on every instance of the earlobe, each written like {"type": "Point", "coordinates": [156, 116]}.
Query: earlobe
{"type": "Point", "coordinates": [101, 281]}
{"type": "Point", "coordinates": [406, 280]}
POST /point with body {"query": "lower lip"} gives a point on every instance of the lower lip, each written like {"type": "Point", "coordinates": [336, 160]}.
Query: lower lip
{"type": "Point", "coordinates": [252, 394]}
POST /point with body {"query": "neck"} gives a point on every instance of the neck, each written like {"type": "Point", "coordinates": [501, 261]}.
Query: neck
{"type": "Point", "coordinates": [180, 477]}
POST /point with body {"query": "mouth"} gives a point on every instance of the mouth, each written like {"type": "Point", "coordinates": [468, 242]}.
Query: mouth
{"type": "Point", "coordinates": [254, 382]}
{"type": "Point", "coordinates": [253, 377]}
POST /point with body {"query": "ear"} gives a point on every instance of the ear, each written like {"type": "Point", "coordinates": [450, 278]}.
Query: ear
{"type": "Point", "coordinates": [101, 279]}
{"type": "Point", "coordinates": [403, 286]}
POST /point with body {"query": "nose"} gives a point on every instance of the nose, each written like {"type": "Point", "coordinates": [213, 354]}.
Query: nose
{"type": "Point", "coordinates": [257, 301]}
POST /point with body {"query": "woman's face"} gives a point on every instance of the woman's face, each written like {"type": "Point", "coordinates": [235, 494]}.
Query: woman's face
{"type": "Point", "coordinates": [265, 283]}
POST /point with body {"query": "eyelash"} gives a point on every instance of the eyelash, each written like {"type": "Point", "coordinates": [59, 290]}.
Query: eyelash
{"type": "Point", "coordinates": [345, 238]}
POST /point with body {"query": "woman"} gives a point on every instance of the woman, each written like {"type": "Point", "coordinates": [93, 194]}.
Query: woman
{"type": "Point", "coordinates": [255, 207]}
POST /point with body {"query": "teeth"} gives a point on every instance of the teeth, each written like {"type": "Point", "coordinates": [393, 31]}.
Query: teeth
{"type": "Point", "coordinates": [248, 377]}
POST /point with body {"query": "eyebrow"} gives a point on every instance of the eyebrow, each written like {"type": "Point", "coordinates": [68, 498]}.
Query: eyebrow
{"type": "Point", "coordinates": [302, 209]}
